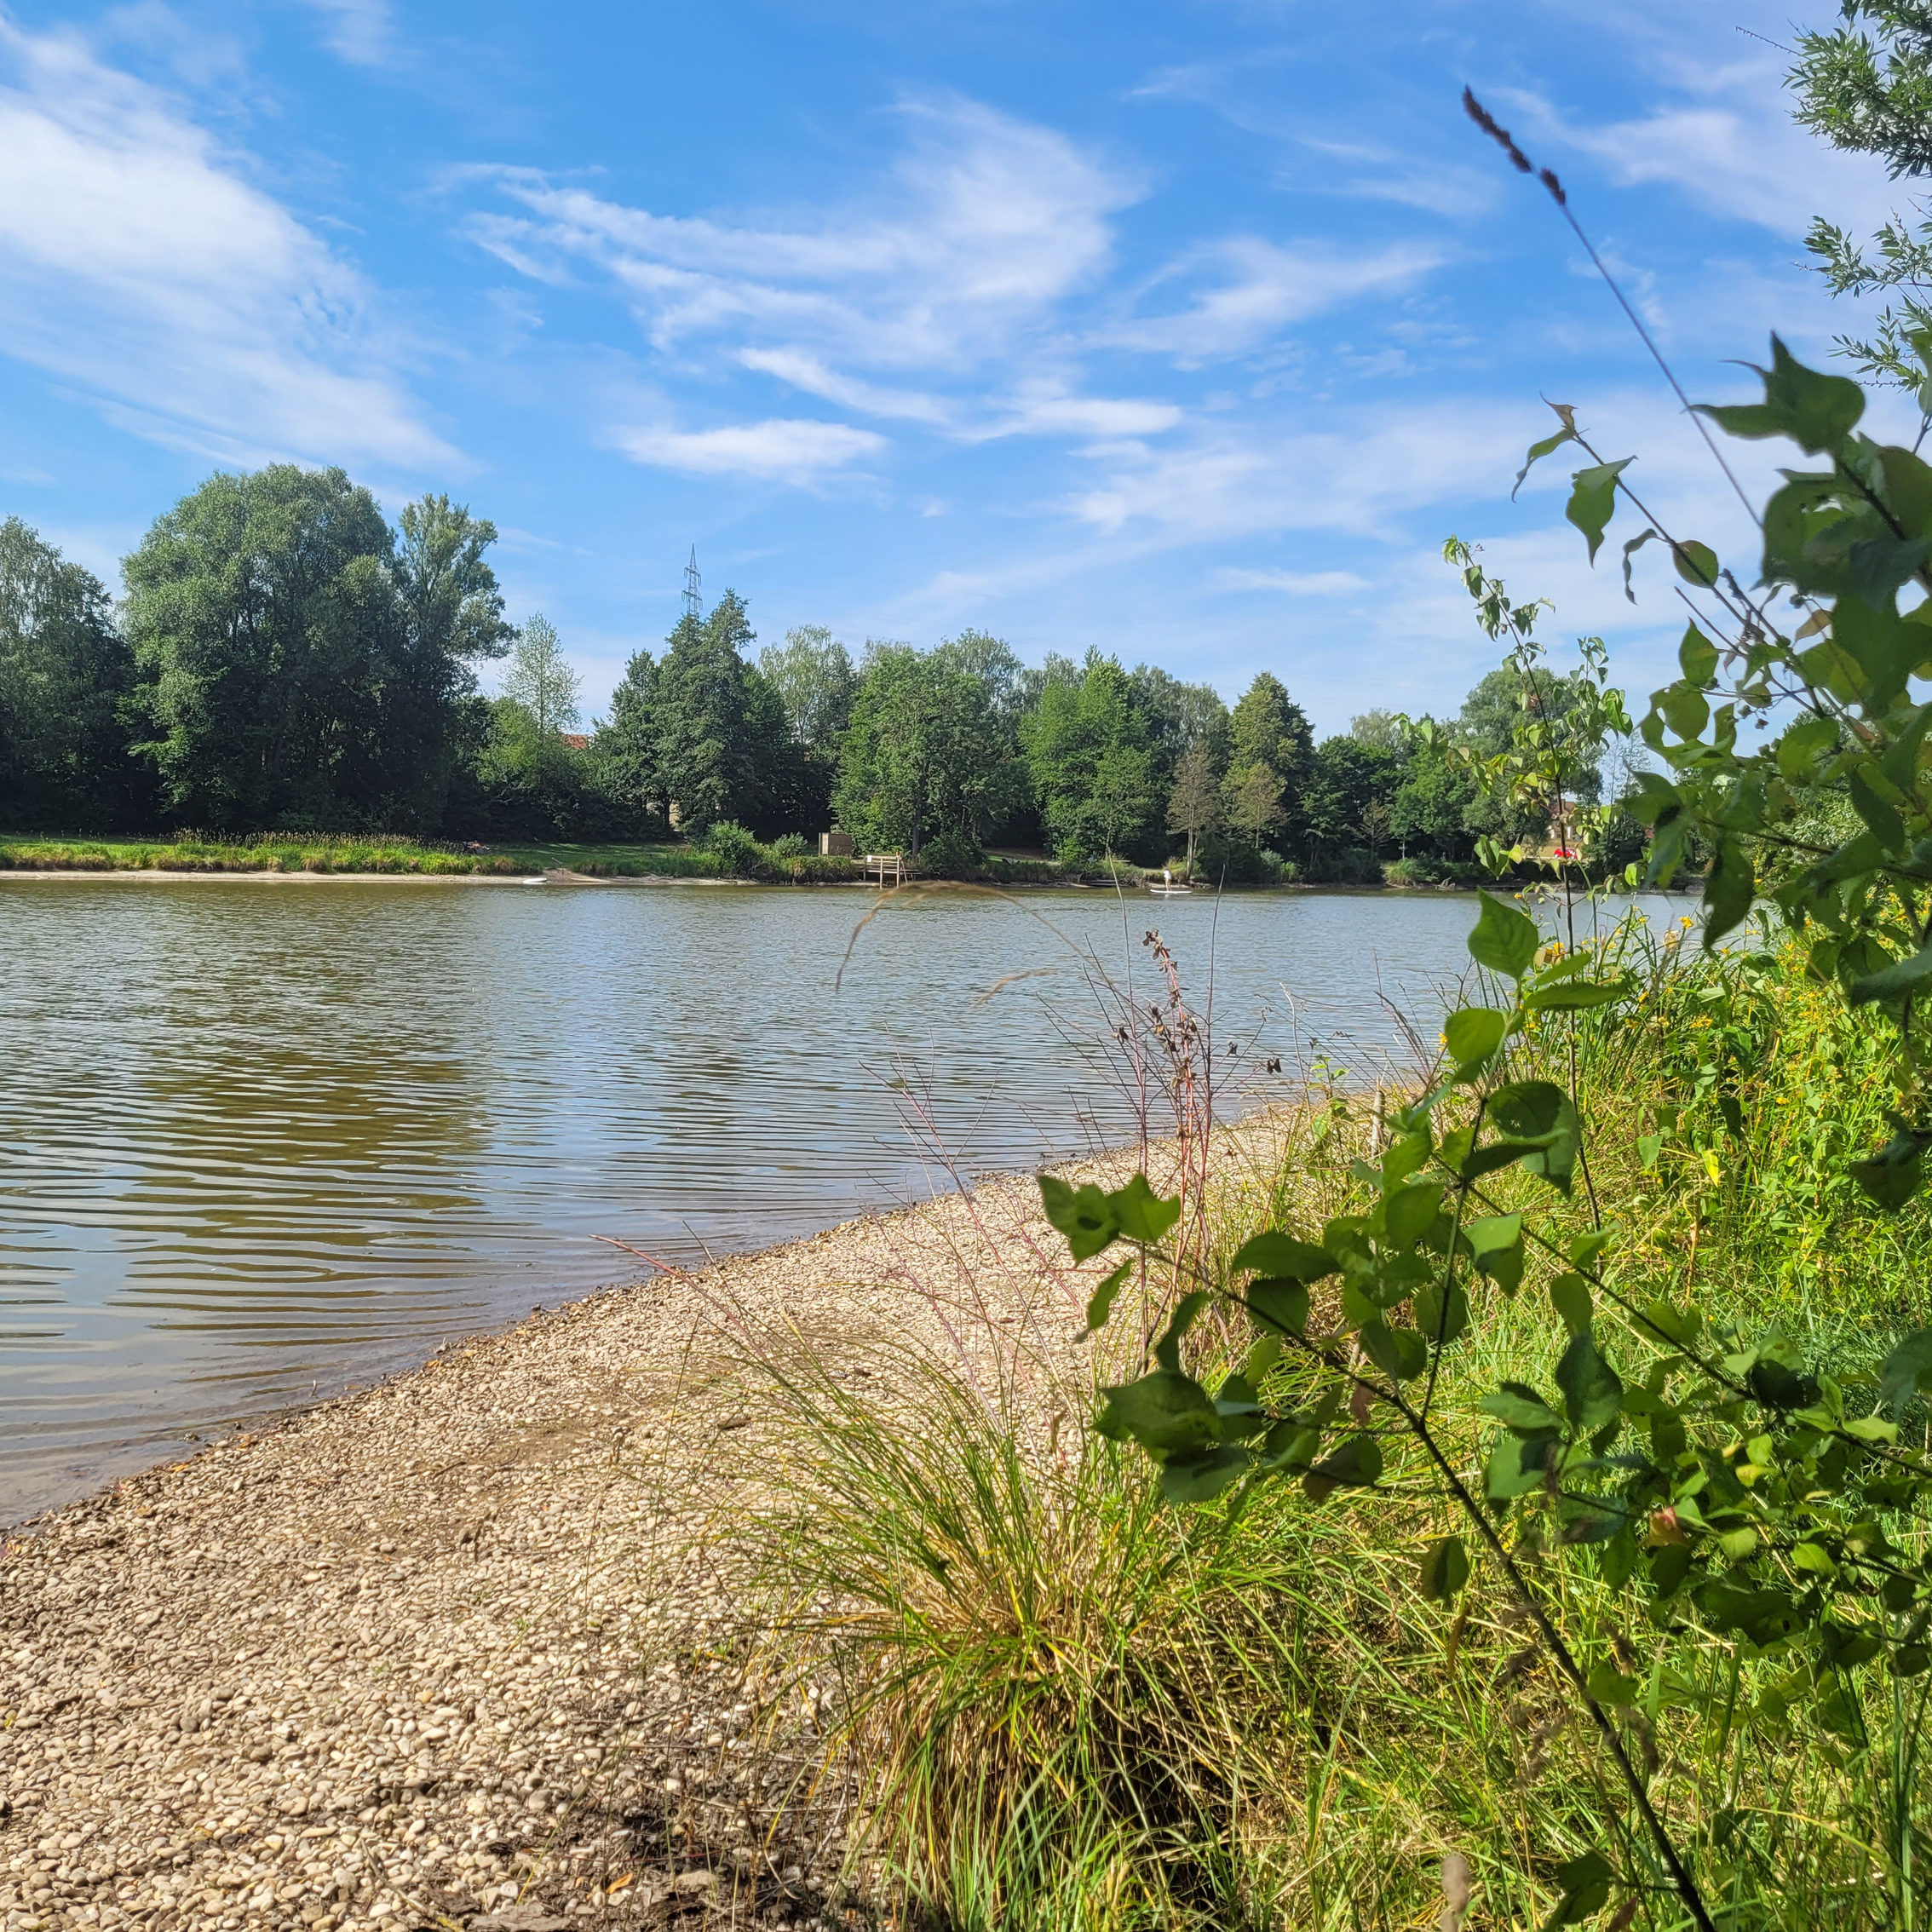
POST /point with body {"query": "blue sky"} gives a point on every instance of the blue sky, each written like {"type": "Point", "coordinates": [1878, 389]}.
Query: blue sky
{"type": "Point", "coordinates": [1186, 331]}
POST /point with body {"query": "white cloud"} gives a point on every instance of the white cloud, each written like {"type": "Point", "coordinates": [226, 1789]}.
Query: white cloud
{"type": "Point", "coordinates": [1245, 290]}
{"type": "Point", "coordinates": [784, 450]}
{"type": "Point", "coordinates": [1291, 583]}
{"type": "Point", "coordinates": [361, 31]}
{"type": "Point", "coordinates": [146, 272]}
{"type": "Point", "coordinates": [1728, 144]}
{"type": "Point", "coordinates": [806, 372]}
{"type": "Point", "coordinates": [983, 224]}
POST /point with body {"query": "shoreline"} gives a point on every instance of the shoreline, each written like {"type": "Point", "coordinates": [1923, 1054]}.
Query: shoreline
{"type": "Point", "coordinates": [563, 876]}
{"type": "Point", "coordinates": [410, 1654]}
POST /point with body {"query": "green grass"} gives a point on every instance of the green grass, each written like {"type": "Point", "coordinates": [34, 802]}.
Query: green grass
{"type": "Point", "coordinates": [1064, 1705]}
{"type": "Point", "coordinates": [350, 853]}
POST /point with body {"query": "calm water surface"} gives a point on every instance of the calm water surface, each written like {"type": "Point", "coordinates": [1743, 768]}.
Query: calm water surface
{"type": "Point", "coordinates": [258, 1141]}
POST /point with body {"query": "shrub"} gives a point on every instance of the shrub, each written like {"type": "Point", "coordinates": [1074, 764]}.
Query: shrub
{"type": "Point", "coordinates": [951, 855]}
{"type": "Point", "coordinates": [735, 852]}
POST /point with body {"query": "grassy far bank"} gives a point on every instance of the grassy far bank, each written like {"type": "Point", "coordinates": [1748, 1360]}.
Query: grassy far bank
{"type": "Point", "coordinates": [734, 854]}
{"type": "Point", "coordinates": [779, 861]}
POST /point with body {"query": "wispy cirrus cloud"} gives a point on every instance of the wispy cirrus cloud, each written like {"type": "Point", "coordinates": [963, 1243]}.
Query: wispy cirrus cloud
{"type": "Point", "coordinates": [363, 32]}
{"type": "Point", "coordinates": [980, 226]}
{"type": "Point", "coordinates": [1291, 583]}
{"type": "Point", "coordinates": [781, 451]}
{"type": "Point", "coordinates": [146, 270]}
{"type": "Point", "coordinates": [968, 291]}
{"type": "Point", "coordinates": [1240, 292]}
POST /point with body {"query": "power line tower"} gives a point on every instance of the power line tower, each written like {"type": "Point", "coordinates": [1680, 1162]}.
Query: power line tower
{"type": "Point", "coordinates": [693, 587]}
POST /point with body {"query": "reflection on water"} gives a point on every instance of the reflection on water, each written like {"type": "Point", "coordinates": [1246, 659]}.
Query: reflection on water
{"type": "Point", "coordinates": [260, 1139]}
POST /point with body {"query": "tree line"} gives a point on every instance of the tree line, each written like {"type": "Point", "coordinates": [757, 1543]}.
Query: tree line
{"type": "Point", "coordinates": [283, 659]}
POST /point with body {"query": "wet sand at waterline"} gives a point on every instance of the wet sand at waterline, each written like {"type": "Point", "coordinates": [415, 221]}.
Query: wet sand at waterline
{"type": "Point", "coordinates": [427, 1655]}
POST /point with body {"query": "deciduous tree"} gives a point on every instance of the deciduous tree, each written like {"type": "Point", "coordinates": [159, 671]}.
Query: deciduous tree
{"type": "Point", "coordinates": [65, 672]}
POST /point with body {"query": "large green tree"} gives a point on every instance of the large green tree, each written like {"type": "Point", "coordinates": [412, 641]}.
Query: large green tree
{"type": "Point", "coordinates": [624, 749]}
{"type": "Point", "coordinates": [927, 753]}
{"type": "Point", "coordinates": [1095, 767]}
{"type": "Point", "coordinates": [724, 745]}
{"type": "Point", "coordinates": [65, 675]}
{"type": "Point", "coordinates": [811, 673]}
{"type": "Point", "coordinates": [542, 679]}
{"type": "Point", "coordinates": [297, 665]}
{"type": "Point", "coordinates": [1271, 751]}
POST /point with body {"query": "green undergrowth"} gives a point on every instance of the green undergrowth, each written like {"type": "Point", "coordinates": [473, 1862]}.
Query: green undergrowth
{"type": "Point", "coordinates": [1069, 1705]}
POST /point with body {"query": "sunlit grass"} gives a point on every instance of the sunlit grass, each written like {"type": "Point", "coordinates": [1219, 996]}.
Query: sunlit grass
{"type": "Point", "coordinates": [1067, 1704]}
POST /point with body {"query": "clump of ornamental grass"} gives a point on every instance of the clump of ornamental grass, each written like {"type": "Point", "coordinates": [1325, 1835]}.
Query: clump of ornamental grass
{"type": "Point", "coordinates": [1055, 1696]}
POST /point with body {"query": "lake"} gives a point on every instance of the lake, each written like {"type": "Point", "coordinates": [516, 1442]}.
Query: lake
{"type": "Point", "coordinates": [262, 1140]}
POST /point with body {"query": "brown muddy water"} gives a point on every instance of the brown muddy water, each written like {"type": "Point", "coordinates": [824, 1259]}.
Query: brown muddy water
{"type": "Point", "coordinates": [260, 1141]}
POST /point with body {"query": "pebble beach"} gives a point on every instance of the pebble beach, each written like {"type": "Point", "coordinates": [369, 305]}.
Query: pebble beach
{"type": "Point", "coordinates": [420, 1656]}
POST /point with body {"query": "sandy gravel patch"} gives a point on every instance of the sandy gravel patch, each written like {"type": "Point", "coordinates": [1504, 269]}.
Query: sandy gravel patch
{"type": "Point", "coordinates": [414, 1658]}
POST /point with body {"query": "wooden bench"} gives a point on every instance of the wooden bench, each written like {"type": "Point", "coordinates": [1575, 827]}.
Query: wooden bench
{"type": "Point", "coordinates": [886, 865]}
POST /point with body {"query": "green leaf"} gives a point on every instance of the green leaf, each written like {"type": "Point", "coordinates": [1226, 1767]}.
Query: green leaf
{"type": "Point", "coordinates": [1593, 1393]}
{"type": "Point", "coordinates": [1445, 1569]}
{"type": "Point", "coordinates": [1685, 708]}
{"type": "Point", "coordinates": [1630, 550]}
{"type": "Point", "coordinates": [1473, 1033]}
{"type": "Point", "coordinates": [1729, 887]}
{"type": "Point", "coordinates": [1197, 1475]}
{"type": "Point", "coordinates": [1696, 562]}
{"type": "Point", "coordinates": [1901, 977]}
{"type": "Point", "coordinates": [1505, 1266]}
{"type": "Point", "coordinates": [1517, 1464]}
{"type": "Point", "coordinates": [1165, 1412]}
{"type": "Point", "coordinates": [1399, 1352]}
{"type": "Point", "coordinates": [1577, 995]}
{"type": "Point", "coordinates": [1608, 1685]}
{"type": "Point", "coordinates": [1593, 500]}
{"type": "Point", "coordinates": [1278, 1254]}
{"type": "Point", "coordinates": [1536, 1123]}
{"type": "Point", "coordinates": [1585, 1886]}
{"type": "Point", "coordinates": [1280, 1304]}
{"type": "Point", "coordinates": [1505, 939]}
{"type": "Point", "coordinates": [1907, 1371]}
{"type": "Point", "coordinates": [1102, 1306]}
{"type": "Point", "coordinates": [1880, 815]}
{"type": "Point", "coordinates": [1891, 1176]}
{"type": "Point", "coordinates": [1538, 452]}
{"type": "Point", "coordinates": [1697, 656]}
{"type": "Point", "coordinates": [1798, 748]}
{"type": "Point", "coordinates": [1402, 1159]}
{"type": "Point", "coordinates": [1356, 1465]}
{"type": "Point", "coordinates": [1518, 1407]}
{"type": "Point", "coordinates": [1569, 1294]}
{"type": "Point", "coordinates": [1140, 1214]}
{"type": "Point", "coordinates": [1816, 411]}
{"type": "Point", "coordinates": [1083, 1215]}
{"type": "Point", "coordinates": [1167, 1349]}
{"type": "Point", "coordinates": [1410, 1209]}
{"type": "Point", "coordinates": [1492, 1231]}
{"type": "Point", "coordinates": [1436, 1324]}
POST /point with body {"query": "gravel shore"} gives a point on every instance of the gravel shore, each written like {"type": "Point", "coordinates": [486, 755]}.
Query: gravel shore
{"type": "Point", "coordinates": [417, 1657]}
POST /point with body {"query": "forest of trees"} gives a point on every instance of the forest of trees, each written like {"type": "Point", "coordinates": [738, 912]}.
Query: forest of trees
{"type": "Point", "coordinates": [283, 659]}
